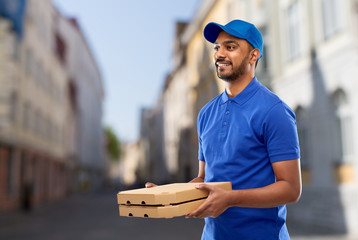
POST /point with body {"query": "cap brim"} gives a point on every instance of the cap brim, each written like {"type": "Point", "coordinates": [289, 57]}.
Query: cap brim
{"type": "Point", "coordinates": [211, 31]}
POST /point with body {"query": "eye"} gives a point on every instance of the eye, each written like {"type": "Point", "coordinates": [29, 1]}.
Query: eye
{"type": "Point", "coordinates": [230, 47]}
{"type": "Point", "coordinates": [216, 48]}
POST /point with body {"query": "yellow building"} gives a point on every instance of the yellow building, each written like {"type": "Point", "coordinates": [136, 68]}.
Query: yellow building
{"type": "Point", "coordinates": [310, 61]}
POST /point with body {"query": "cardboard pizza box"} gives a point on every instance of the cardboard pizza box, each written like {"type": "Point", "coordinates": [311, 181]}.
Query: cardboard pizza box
{"type": "Point", "coordinates": [161, 211]}
{"type": "Point", "coordinates": [165, 201]}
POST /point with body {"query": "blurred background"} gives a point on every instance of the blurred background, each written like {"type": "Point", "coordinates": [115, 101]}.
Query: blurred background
{"type": "Point", "coordinates": [102, 96]}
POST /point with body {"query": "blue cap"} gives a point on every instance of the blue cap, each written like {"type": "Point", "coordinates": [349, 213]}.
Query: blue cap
{"type": "Point", "coordinates": [236, 28]}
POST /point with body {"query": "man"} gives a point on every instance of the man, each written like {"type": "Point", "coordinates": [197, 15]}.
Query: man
{"type": "Point", "coordinates": [247, 136]}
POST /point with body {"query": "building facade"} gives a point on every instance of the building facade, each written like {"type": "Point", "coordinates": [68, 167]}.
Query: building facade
{"type": "Point", "coordinates": [177, 118]}
{"type": "Point", "coordinates": [313, 66]}
{"type": "Point", "coordinates": [86, 93]}
{"type": "Point", "coordinates": [310, 61]}
{"type": "Point", "coordinates": [39, 115]}
{"type": "Point", "coordinates": [151, 164]}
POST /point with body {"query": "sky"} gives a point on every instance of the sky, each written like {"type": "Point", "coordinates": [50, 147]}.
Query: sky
{"type": "Point", "coordinates": [132, 42]}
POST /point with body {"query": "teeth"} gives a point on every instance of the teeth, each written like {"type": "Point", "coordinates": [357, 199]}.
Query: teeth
{"type": "Point", "coordinates": [222, 64]}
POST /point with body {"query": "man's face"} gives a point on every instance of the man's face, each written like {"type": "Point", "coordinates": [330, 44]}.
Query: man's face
{"type": "Point", "coordinates": [231, 57]}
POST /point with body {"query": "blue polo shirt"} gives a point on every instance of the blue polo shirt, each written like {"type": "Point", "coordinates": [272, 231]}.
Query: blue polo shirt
{"type": "Point", "coordinates": [239, 139]}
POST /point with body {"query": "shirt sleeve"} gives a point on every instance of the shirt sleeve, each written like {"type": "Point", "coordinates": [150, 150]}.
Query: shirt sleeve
{"type": "Point", "coordinates": [280, 133]}
{"type": "Point", "coordinates": [200, 151]}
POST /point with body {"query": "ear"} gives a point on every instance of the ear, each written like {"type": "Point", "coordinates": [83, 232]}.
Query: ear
{"type": "Point", "coordinates": [255, 54]}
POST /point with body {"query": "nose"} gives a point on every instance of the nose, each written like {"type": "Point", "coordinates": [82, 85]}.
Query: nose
{"type": "Point", "coordinates": [219, 54]}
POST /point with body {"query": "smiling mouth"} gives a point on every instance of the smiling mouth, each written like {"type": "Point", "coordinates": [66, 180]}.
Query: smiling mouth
{"type": "Point", "coordinates": [221, 65]}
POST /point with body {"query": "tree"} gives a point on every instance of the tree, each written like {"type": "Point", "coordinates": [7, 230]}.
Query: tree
{"type": "Point", "coordinates": [113, 144]}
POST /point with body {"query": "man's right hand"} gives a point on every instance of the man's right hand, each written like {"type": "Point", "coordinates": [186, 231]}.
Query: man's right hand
{"type": "Point", "coordinates": [149, 185]}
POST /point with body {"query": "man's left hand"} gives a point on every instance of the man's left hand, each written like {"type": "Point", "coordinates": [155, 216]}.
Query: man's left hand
{"type": "Point", "coordinates": [214, 205]}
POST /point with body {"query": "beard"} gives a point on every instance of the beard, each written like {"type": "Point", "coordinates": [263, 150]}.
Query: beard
{"type": "Point", "coordinates": [236, 73]}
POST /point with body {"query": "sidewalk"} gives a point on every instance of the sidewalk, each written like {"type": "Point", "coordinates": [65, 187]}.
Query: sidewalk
{"type": "Point", "coordinates": [299, 231]}
{"type": "Point", "coordinates": [92, 217]}
{"type": "Point", "coordinates": [338, 237]}
{"type": "Point", "coordinates": [95, 216]}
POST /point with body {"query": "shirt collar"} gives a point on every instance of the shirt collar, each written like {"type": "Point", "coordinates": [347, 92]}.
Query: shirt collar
{"type": "Point", "coordinates": [245, 95]}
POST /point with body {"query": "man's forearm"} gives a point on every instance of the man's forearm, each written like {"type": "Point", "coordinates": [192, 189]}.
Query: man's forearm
{"type": "Point", "coordinates": [197, 179]}
{"type": "Point", "coordinates": [286, 189]}
{"type": "Point", "coordinates": [274, 195]}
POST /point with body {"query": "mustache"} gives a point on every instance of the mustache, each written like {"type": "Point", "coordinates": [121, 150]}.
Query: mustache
{"type": "Point", "coordinates": [221, 61]}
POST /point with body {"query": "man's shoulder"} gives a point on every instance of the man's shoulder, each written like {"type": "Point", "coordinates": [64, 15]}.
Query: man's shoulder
{"type": "Point", "coordinates": [267, 95]}
{"type": "Point", "coordinates": [272, 104]}
{"type": "Point", "coordinates": [269, 99]}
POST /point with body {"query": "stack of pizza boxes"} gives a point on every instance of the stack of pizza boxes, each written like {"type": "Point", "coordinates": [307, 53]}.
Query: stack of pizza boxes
{"type": "Point", "coordinates": [165, 201]}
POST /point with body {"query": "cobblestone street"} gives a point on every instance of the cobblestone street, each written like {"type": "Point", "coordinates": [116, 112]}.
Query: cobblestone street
{"type": "Point", "coordinates": [95, 216]}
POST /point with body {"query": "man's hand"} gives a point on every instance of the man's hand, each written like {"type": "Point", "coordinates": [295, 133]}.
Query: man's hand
{"type": "Point", "coordinates": [214, 205]}
{"type": "Point", "coordinates": [149, 185]}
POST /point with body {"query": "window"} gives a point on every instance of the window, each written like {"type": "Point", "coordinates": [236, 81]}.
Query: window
{"type": "Point", "coordinates": [332, 17]}
{"type": "Point", "coordinates": [344, 127]}
{"type": "Point", "coordinates": [14, 102]}
{"type": "Point", "coordinates": [263, 64]}
{"type": "Point", "coordinates": [36, 71]}
{"type": "Point", "coordinates": [36, 122]}
{"type": "Point", "coordinates": [303, 136]}
{"type": "Point", "coordinates": [293, 30]}
{"type": "Point", "coordinates": [61, 48]}
{"type": "Point", "coordinates": [26, 121]}
{"type": "Point", "coordinates": [28, 61]}
{"type": "Point", "coordinates": [11, 173]}
{"type": "Point", "coordinates": [36, 176]}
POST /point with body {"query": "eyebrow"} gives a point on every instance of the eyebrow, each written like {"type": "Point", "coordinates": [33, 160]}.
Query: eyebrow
{"type": "Point", "coordinates": [227, 42]}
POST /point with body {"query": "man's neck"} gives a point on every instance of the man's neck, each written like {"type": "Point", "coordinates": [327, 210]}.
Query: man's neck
{"type": "Point", "coordinates": [236, 87]}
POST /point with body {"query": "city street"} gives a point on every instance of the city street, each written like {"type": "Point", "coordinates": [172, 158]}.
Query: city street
{"type": "Point", "coordinates": [95, 216]}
